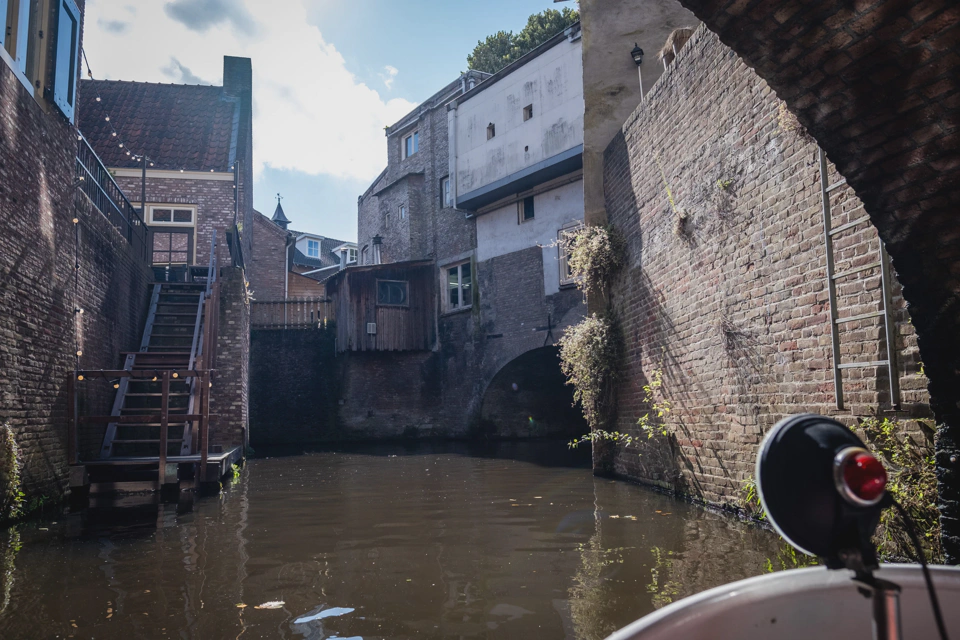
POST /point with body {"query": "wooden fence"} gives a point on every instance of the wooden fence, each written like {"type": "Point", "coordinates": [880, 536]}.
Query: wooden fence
{"type": "Point", "coordinates": [295, 313]}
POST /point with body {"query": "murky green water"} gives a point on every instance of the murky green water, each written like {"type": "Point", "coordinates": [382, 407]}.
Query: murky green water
{"type": "Point", "coordinates": [429, 542]}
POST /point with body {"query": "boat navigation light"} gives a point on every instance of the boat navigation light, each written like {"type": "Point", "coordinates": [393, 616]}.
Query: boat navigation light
{"type": "Point", "coordinates": [859, 477]}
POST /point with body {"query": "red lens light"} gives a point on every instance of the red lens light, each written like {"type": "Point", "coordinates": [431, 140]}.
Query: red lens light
{"type": "Point", "coordinates": [864, 476]}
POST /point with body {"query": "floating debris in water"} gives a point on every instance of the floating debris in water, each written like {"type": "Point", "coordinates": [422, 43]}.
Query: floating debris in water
{"type": "Point", "coordinates": [273, 604]}
{"type": "Point", "coordinates": [615, 517]}
{"type": "Point", "coordinates": [240, 605]}
{"type": "Point", "coordinates": [325, 613]}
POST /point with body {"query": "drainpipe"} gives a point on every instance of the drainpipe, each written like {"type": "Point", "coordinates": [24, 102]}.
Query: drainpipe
{"type": "Point", "coordinates": [453, 155]}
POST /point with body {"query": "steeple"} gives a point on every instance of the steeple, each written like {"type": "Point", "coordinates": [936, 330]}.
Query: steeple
{"type": "Point", "coordinates": [279, 218]}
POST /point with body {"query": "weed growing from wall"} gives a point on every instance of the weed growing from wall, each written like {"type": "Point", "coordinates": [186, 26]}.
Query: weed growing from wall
{"type": "Point", "coordinates": [594, 255]}
{"type": "Point", "coordinates": [912, 481]}
{"type": "Point", "coordinates": [654, 421]}
{"type": "Point", "coordinates": [11, 491]}
{"type": "Point", "coordinates": [591, 358]}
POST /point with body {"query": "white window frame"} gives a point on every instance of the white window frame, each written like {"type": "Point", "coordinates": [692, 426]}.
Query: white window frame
{"type": "Point", "coordinates": [414, 139]}
{"type": "Point", "coordinates": [402, 211]}
{"type": "Point", "coordinates": [151, 221]}
{"type": "Point", "coordinates": [313, 244]}
{"type": "Point", "coordinates": [446, 193]}
{"type": "Point", "coordinates": [563, 255]}
{"type": "Point", "coordinates": [351, 255]}
{"type": "Point", "coordinates": [463, 302]}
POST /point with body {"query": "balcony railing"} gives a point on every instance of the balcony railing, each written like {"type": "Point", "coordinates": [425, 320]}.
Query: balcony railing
{"type": "Point", "coordinates": [99, 186]}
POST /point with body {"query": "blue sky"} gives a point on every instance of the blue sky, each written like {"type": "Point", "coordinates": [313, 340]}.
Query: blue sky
{"type": "Point", "coordinates": [328, 76]}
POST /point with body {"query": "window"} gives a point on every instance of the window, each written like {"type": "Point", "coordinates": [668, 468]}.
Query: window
{"type": "Point", "coordinates": [491, 131]}
{"type": "Point", "coordinates": [24, 23]}
{"type": "Point", "coordinates": [566, 274]}
{"type": "Point", "coordinates": [459, 286]}
{"type": "Point", "coordinates": [363, 255]}
{"type": "Point", "coordinates": [172, 247]}
{"type": "Point", "coordinates": [402, 212]}
{"type": "Point", "coordinates": [351, 255]}
{"type": "Point", "coordinates": [411, 144]}
{"type": "Point", "coordinates": [313, 248]}
{"type": "Point", "coordinates": [527, 112]}
{"type": "Point", "coordinates": [446, 196]}
{"type": "Point", "coordinates": [172, 215]}
{"type": "Point", "coordinates": [525, 210]}
{"type": "Point", "coordinates": [392, 293]}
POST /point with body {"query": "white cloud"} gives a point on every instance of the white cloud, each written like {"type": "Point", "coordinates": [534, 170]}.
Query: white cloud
{"type": "Point", "coordinates": [388, 75]}
{"type": "Point", "coordinates": [310, 113]}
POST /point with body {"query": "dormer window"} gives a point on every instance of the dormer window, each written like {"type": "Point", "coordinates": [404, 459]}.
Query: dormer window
{"type": "Point", "coordinates": [351, 256]}
{"type": "Point", "coordinates": [411, 144]}
{"type": "Point", "coordinates": [313, 248]}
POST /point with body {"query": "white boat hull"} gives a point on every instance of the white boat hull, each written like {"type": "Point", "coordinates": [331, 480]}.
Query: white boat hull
{"type": "Point", "coordinates": [802, 604]}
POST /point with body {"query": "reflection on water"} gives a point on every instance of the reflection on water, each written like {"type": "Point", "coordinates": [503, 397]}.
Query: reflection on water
{"type": "Point", "coordinates": [513, 541]}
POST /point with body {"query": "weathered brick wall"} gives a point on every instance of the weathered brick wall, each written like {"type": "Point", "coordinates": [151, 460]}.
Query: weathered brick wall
{"type": "Point", "coordinates": [213, 199]}
{"type": "Point", "coordinates": [267, 264]}
{"type": "Point", "coordinates": [39, 287]}
{"type": "Point", "coordinates": [725, 288]}
{"type": "Point", "coordinates": [230, 392]}
{"type": "Point", "coordinates": [294, 386]}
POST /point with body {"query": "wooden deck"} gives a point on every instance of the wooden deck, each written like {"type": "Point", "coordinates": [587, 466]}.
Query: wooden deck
{"type": "Point", "coordinates": [103, 476]}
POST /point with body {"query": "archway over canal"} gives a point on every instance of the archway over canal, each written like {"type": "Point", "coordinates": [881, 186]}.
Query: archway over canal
{"type": "Point", "coordinates": [529, 398]}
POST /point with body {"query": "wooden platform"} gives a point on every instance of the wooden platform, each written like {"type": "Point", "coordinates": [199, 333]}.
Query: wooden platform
{"type": "Point", "coordinates": [104, 476]}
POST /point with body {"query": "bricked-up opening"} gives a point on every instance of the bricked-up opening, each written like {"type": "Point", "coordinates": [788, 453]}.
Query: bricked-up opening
{"type": "Point", "coordinates": [529, 398]}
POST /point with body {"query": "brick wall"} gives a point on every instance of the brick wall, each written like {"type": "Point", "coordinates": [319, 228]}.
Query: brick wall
{"type": "Point", "coordinates": [731, 303]}
{"type": "Point", "coordinates": [229, 398]}
{"type": "Point", "coordinates": [213, 199]}
{"type": "Point", "coordinates": [295, 386]}
{"type": "Point", "coordinates": [267, 264]}
{"type": "Point", "coordinates": [40, 288]}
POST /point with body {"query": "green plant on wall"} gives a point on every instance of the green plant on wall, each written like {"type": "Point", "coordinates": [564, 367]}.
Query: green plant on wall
{"type": "Point", "coordinates": [591, 355]}
{"type": "Point", "coordinates": [654, 422]}
{"type": "Point", "coordinates": [11, 491]}
{"type": "Point", "coordinates": [911, 480]}
{"type": "Point", "coordinates": [594, 255]}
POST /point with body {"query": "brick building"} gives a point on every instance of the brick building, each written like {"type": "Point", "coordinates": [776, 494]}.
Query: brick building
{"type": "Point", "coordinates": [196, 144]}
{"type": "Point", "coordinates": [73, 260]}
{"type": "Point", "coordinates": [726, 293]}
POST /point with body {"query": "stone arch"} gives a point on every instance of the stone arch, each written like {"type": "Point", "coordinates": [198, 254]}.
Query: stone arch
{"type": "Point", "coordinates": [877, 84]}
{"type": "Point", "coordinates": [528, 397]}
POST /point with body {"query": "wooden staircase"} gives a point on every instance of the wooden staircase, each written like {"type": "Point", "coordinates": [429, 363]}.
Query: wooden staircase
{"type": "Point", "coordinates": [158, 427]}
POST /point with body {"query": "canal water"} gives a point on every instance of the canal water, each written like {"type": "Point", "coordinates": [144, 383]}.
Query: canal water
{"type": "Point", "coordinates": [501, 541]}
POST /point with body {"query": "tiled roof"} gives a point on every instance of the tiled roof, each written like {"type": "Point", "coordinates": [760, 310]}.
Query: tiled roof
{"type": "Point", "coordinates": [177, 126]}
{"type": "Point", "coordinates": [327, 257]}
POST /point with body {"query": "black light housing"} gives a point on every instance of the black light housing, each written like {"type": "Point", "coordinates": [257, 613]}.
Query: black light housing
{"type": "Point", "coordinates": [637, 54]}
{"type": "Point", "coordinates": [822, 490]}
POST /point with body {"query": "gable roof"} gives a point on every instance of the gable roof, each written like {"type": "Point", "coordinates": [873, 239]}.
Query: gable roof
{"type": "Point", "coordinates": [188, 127]}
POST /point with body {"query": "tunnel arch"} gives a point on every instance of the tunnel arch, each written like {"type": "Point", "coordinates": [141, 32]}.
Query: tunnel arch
{"type": "Point", "coordinates": [875, 82]}
{"type": "Point", "coordinates": [529, 398]}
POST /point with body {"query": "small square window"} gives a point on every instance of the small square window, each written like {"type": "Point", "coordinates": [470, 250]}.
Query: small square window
{"type": "Point", "coordinates": [459, 280]}
{"type": "Point", "coordinates": [526, 211]}
{"type": "Point", "coordinates": [411, 144]}
{"type": "Point", "coordinates": [392, 293]}
{"type": "Point", "coordinates": [313, 248]}
{"type": "Point", "coordinates": [446, 196]}
{"type": "Point", "coordinates": [491, 131]}
{"type": "Point", "coordinates": [402, 211]}
{"type": "Point", "coordinates": [527, 112]}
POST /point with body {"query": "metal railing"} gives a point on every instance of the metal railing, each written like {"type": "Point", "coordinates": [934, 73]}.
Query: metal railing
{"type": "Point", "coordinates": [295, 313]}
{"type": "Point", "coordinates": [98, 185]}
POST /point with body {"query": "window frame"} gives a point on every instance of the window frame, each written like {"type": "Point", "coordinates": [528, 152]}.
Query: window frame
{"type": "Point", "coordinates": [191, 245]}
{"type": "Point", "coordinates": [352, 252]}
{"type": "Point", "coordinates": [522, 210]}
{"type": "Point", "coordinates": [405, 304]}
{"type": "Point", "coordinates": [414, 139]}
{"type": "Point", "coordinates": [491, 131]}
{"type": "Point", "coordinates": [402, 211]}
{"type": "Point", "coordinates": [563, 256]}
{"type": "Point", "coordinates": [66, 70]}
{"type": "Point", "coordinates": [462, 304]}
{"type": "Point", "coordinates": [313, 244]}
{"type": "Point", "coordinates": [153, 222]}
{"type": "Point", "coordinates": [446, 192]}
{"type": "Point", "coordinates": [528, 112]}
{"type": "Point", "coordinates": [363, 254]}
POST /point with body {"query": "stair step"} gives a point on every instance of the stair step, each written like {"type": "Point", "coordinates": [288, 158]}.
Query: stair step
{"type": "Point", "coordinates": [152, 395]}
{"type": "Point", "coordinates": [156, 441]}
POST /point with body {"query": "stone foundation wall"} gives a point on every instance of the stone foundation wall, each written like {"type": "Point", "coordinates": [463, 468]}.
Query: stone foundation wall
{"type": "Point", "coordinates": [724, 294]}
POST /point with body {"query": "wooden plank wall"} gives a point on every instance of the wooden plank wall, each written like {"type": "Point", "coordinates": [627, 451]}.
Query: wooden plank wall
{"type": "Point", "coordinates": [295, 313]}
{"type": "Point", "coordinates": [409, 328]}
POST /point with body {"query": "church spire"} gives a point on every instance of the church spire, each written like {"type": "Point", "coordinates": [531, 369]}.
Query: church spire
{"type": "Point", "coordinates": [279, 218]}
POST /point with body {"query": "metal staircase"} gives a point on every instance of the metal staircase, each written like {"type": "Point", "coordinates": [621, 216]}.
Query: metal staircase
{"type": "Point", "coordinates": [837, 321]}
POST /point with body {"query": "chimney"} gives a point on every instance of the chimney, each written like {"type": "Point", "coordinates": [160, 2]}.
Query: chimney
{"type": "Point", "coordinates": [237, 77]}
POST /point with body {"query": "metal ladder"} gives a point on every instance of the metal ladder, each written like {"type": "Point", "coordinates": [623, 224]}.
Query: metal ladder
{"type": "Point", "coordinates": [883, 262]}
